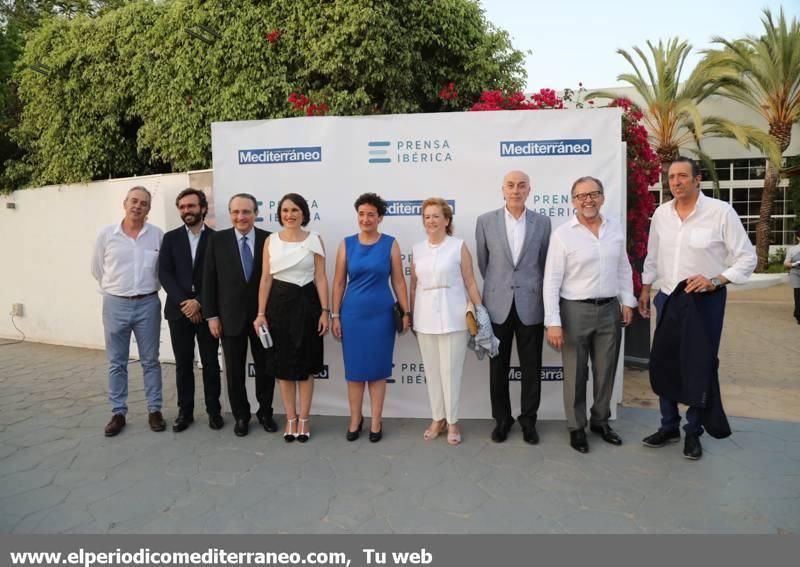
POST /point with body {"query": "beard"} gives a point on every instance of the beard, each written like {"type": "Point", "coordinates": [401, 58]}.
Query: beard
{"type": "Point", "coordinates": [191, 219]}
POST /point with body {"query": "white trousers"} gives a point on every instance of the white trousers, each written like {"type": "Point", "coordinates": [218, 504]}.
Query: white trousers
{"type": "Point", "coordinates": [443, 357]}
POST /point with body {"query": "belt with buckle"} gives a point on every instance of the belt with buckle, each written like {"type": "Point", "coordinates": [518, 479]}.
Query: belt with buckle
{"type": "Point", "coordinates": [135, 297]}
{"type": "Point", "coordinates": [597, 301]}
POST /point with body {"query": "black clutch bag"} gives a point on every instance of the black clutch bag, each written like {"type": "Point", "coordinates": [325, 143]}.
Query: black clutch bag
{"type": "Point", "coordinates": [397, 311]}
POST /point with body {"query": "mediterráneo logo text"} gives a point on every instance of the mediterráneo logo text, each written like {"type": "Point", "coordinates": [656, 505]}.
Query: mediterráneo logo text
{"type": "Point", "coordinates": [270, 156]}
{"type": "Point", "coordinates": [534, 148]}
{"type": "Point", "coordinates": [410, 208]}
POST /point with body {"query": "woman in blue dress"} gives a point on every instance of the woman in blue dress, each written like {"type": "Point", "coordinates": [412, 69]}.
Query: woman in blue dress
{"type": "Point", "coordinates": [363, 316]}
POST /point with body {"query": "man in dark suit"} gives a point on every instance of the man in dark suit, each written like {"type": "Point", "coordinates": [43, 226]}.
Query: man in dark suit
{"type": "Point", "coordinates": [180, 269]}
{"type": "Point", "coordinates": [512, 246]}
{"type": "Point", "coordinates": [231, 276]}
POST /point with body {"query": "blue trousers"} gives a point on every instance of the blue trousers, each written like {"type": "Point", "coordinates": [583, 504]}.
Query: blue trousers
{"type": "Point", "coordinates": [142, 317]}
{"type": "Point", "coordinates": [713, 311]}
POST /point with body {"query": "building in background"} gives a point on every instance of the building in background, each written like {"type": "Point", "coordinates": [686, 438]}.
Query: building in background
{"type": "Point", "coordinates": [741, 171]}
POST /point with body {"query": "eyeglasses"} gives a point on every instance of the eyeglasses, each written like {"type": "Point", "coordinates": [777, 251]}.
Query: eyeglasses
{"type": "Point", "coordinates": [593, 195]}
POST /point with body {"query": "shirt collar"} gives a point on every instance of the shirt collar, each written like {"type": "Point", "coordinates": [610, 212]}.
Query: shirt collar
{"type": "Point", "coordinates": [575, 222]}
{"type": "Point", "coordinates": [701, 198]}
{"type": "Point", "coordinates": [189, 230]}
{"type": "Point", "coordinates": [118, 228]}
{"type": "Point", "coordinates": [250, 235]}
{"type": "Point", "coordinates": [511, 218]}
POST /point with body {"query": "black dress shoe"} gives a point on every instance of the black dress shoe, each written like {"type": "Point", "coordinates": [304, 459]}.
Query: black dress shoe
{"type": "Point", "coordinates": [529, 434]}
{"type": "Point", "coordinates": [500, 431]}
{"type": "Point", "coordinates": [241, 427]}
{"type": "Point", "coordinates": [353, 435]}
{"type": "Point", "coordinates": [607, 434]}
{"type": "Point", "coordinates": [577, 440]}
{"type": "Point", "coordinates": [182, 422]}
{"type": "Point", "coordinates": [375, 436]}
{"type": "Point", "coordinates": [269, 424]}
{"type": "Point", "coordinates": [661, 438]}
{"type": "Point", "coordinates": [692, 448]}
{"type": "Point", "coordinates": [215, 421]}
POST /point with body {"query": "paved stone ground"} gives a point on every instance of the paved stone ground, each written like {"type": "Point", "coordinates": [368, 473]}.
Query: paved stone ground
{"type": "Point", "coordinates": [59, 474]}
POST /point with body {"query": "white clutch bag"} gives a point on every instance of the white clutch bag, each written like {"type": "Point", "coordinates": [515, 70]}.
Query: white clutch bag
{"type": "Point", "coordinates": [266, 338]}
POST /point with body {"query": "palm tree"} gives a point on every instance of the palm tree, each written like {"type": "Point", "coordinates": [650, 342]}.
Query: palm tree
{"type": "Point", "coordinates": [671, 112]}
{"type": "Point", "coordinates": [767, 80]}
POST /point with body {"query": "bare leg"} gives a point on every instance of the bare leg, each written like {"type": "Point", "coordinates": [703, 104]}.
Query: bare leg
{"type": "Point", "coordinates": [377, 393]}
{"type": "Point", "coordinates": [288, 395]}
{"type": "Point", "coordinates": [355, 395]}
{"type": "Point", "coordinates": [306, 393]}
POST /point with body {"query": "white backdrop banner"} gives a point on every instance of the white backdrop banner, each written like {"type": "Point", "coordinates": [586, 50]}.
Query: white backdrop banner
{"type": "Point", "coordinates": [461, 157]}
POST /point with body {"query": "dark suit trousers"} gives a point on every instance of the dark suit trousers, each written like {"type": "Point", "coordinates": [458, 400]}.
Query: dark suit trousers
{"type": "Point", "coordinates": [182, 333]}
{"type": "Point", "coordinates": [797, 304]}
{"type": "Point", "coordinates": [713, 313]}
{"type": "Point", "coordinates": [529, 350]}
{"type": "Point", "coordinates": [234, 348]}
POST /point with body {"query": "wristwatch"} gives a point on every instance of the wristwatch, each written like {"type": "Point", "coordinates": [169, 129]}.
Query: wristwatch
{"type": "Point", "coordinates": [716, 282]}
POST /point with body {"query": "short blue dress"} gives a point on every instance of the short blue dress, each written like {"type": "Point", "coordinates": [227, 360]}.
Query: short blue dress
{"type": "Point", "coordinates": [366, 313]}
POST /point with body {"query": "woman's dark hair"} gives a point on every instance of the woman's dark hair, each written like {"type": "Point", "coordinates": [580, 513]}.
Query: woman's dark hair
{"type": "Point", "coordinates": [301, 203]}
{"type": "Point", "coordinates": [372, 199]}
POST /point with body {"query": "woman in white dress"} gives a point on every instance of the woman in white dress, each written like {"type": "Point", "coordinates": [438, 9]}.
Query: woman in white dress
{"type": "Point", "coordinates": [442, 282]}
{"type": "Point", "coordinates": [293, 304]}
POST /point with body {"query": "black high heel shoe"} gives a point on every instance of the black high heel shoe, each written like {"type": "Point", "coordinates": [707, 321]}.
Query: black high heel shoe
{"type": "Point", "coordinates": [353, 435]}
{"type": "Point", "coordinates": [375, 436]}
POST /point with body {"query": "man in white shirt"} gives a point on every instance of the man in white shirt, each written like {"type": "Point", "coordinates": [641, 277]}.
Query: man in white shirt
{"type": "Point", "coordinates": [125, 265]}
{"type": "Point", "coordinates": [586, 277]}
{"type": "Point", "coordinates": [700, 240]}
{"type": "Point", "coordinates": [511, 245]}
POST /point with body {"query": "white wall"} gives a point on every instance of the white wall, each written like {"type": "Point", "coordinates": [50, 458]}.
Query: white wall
{"type": "Point", "coordinates": [46, 245]}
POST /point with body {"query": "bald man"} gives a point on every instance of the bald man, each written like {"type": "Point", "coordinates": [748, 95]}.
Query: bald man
{"type": "Point", "coordinates": [512, 248]}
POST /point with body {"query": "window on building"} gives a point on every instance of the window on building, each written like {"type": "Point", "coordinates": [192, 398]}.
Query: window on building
{"type": "Point", "coordinates": [746, 201]}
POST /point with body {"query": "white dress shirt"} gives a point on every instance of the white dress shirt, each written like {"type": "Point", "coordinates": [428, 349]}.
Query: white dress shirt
{"type": "Point", "coordinates": [126, 266]}
{"type": "Point", "coordinates": [515, 232]}
{"type": "Point", "coordinates": [581, 265]}
{"type": "Point", "coordinates": [711, 241]}
{"type": "Point", "coordinates": [194, 239]}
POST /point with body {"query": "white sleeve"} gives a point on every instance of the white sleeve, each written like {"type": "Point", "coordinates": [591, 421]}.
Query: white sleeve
{"type": "Point", "coordinates": [98, 256]}
{"type": "Point", "coordinates": [625, 278]}
{"type": "Point", "coordinates": [553, 278]}
{"type": "Point", "coordinates": [650, 269]}
{"type": "Point", "coordinates": [740, 249]}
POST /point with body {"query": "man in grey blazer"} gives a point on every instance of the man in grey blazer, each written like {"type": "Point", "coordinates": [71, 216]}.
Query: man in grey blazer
{"type": "Point", "coordinates": [512, 248]}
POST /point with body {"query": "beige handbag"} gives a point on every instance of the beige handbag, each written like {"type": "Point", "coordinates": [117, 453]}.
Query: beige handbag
{"type": "Point", "coordinates": [472, 321]}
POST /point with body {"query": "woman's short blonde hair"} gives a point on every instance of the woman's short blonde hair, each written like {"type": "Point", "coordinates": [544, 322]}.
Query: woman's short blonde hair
{"type": "Point", "coordinates": [447, 211]}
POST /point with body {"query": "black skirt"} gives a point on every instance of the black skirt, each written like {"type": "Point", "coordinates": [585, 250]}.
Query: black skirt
{"type": "Point", "coordinates": [293, 314]}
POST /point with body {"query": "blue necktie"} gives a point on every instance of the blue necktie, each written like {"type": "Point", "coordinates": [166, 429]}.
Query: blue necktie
{"type": "Point", "coordinates": [247, 259]}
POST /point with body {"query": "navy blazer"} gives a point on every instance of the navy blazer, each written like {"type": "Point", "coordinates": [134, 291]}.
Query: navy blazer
{"type": "Point", "coordinates": [226, 292]}
{"type": "Point", "coordinates": [683, 362]}
{"type": "Point", "coordinates": [175, 270]}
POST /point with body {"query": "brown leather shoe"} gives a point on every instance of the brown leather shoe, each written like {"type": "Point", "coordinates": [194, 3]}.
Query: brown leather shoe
{"type": "Point", "coordinates": [156, 421]}
{"type": "Point", "coordinates": [115, 425]}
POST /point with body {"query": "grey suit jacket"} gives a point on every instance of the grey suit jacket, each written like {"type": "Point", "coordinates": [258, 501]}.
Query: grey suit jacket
{"type": "Point", "coordinates": [504, 282]}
